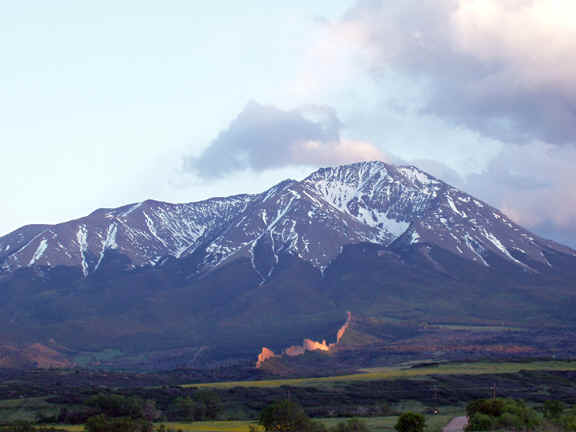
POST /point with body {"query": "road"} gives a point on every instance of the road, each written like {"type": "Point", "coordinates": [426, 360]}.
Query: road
{"type": "Point", "coordinates": [457, 424]}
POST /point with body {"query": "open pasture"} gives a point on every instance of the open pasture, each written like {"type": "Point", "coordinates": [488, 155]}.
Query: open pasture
{"type": "Point", "coordinates": [377, 374]}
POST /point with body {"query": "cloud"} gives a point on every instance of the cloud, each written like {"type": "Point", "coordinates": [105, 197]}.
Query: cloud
{"type": "Point", "coordinates": [532, 183]}
{"type": "Point", "coordinates": [504, 68]}
{"type": "Point", "coordinates": [264, 138]}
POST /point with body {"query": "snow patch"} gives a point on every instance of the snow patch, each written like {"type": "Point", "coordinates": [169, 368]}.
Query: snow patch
{"type": "Point", "coordinates": [414, 174]}
{"type": "Point", "coordinates": [454, 208]}
{"type": "Point", "coordinates": [131, 209]}
{"type": "Point", "coordinates": [39, 252]}
{"type": "Point", "coordinates": [496, 242]}
{"type": "Point", "coordinates": [82, 239]}
{"type": "Point", "coordinates": [108, 243]}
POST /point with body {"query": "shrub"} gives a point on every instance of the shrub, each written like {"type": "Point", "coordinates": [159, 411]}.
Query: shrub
{"type": "Point", "coordinates": [553, 409]}
{"type": "Point", "coordinates": [101, 423]}
{"type": "Point", "coordinates": [481, 422]}
{"type": "Point", "coordinates": [410, 422]}
{"type": "Point", "coordinates": [568, 423]}
{"type": "Point", "coordinates": [352, 425]}
{"type": "Point", "coordinates": [288, 416]}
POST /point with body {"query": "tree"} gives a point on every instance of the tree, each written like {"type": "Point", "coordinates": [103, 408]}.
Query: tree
{"type": "Point", "coordinates": [210, 401]}
{"type": "Point", "coordinates": [568, 423]}
{"type": "Point", "coordinates": [410, 422]}
{"type": "Point", "coordinates": [490, 414]}
{"type": "Point", "coordinates": [481, 422]}
{"type": "Point", "coordinates": [352, 425]}
{"type": "Point", "coordinates": [113, 405]}
{"type": "Point", "coordinates": [491, 407]}
{"type": "Point", "coordinates": [553, 409]}
{"type": "Point", "coordinates": [287, 416]}
{"type": "Point", "coordinates": [101, 423]}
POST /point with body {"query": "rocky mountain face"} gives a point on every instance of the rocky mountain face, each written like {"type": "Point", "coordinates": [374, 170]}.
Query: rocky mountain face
{"type": "Point", "coordinates": [231, 275]}
{"type": "Point", "coordinates": [313, 219]}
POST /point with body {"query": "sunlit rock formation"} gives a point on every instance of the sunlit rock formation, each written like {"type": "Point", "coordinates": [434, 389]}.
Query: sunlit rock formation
{"type": "Point", "coordinates": [307, 345]}
{"type": "Point", "coordinates": [264, 355]}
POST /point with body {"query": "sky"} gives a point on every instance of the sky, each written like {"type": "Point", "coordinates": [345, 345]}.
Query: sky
{"type": "Point", "coordinates": [113, 102]}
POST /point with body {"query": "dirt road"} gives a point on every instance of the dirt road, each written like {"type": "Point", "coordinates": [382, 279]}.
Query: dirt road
{"type": "Point", "coordinates": [457, 424]}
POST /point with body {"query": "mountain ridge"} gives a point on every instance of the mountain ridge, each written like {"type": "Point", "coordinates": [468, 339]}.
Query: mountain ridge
{"type": "Point", "coordinates": [160, 285]}
{"type": "Point", "coordinates": [367, 201]}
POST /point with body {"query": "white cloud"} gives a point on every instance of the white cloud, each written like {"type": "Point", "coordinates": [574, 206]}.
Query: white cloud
{"type": "Point", "coordinates": [504, 68]}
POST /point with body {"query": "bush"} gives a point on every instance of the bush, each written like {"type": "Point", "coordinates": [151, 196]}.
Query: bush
{"type": "Point", "coordinates": [352, 425]}
{"type": "Point", "coordinates": [410, 422]}
{"type": "Point", "coordinates": [481, 422]}
{"type": "Point", "coordinates": [510, 421]}
{"type": "Point", "coordinates": [101, 423]}
{"type": "Point", "coordinates": [287, 416]}
{"type": "Point", "coordinates": [204, 406]}
{"type": "Point", "coordinates": [568, 423]}
{"type": "Point", "coordinates": [112, 405]}
{"type": "Point", "coordinates": [490, 407]}
{"type": "Point", "coordinates": [490, 414]}
{"type": "Point", "coordinates": [553, 409]}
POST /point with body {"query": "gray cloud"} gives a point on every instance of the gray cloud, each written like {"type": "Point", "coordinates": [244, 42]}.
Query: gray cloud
{"type": "Point", "coordinates": [504, 68]}
{"type": "Point", "coordinates": [264, 137]}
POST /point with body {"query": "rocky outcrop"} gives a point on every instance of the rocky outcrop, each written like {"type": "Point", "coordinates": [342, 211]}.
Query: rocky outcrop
{"type": "Point", "coordinates": [307, 345]}
{"type": "Point", "coordinates": [264, 355]}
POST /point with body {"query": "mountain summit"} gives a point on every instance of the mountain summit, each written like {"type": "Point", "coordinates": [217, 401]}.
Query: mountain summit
{"type": "Point", "coordinates": [313, 219]}
{"type": "Point", "coordinates": [218, 279]}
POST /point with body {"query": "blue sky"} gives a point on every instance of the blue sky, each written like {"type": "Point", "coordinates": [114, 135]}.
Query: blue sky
{"type": "Point", "coordinates": [106, 103]}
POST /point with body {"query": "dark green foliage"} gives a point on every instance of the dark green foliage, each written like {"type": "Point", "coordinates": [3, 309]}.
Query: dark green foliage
{"type": "Point", "coordinates": [481, 422]}
{"type": "Point", "coordinates": [490, 414]}
{"type": "Point", "coordinates": [352, 425]}
{"type": "Point", "coordinates": [183, 408]}
{"type": "Point", "coordinates": [553, 409]}
{"type": "Point", "coordinates": [101, 423]}
{"type": "Point", "coordinates": [287, 416]}
{"type": "Point", "coordinates": [210, 403]}
{"type": "Point", "coordinates": [410, 422]}
{"type": "Point", "coordinates": [491, 407]}
{"type": "Point", "coordinates": [283, 416]}
{"type": "Point", "coordinates": [113, 405]}
{"type": "Point", "coordinates": [205, 405]}
{"type": "Point", "coordinates": [567, 423]}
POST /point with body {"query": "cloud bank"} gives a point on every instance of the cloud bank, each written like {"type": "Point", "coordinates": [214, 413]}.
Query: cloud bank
{"type": "Point", "coordinates": [264, 137]}
{"type": "Point", "coordinates": [504, 68]}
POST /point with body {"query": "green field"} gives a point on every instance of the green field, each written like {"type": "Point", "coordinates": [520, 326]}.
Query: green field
{"type": "Point", "coordinates": [376, 424]}
{"type": "Point", "coordinates": [479, 328]}
{"type": "Point", "coordinates": [24, 409]}
{"type": "Point", "coordinates": [376, 374]}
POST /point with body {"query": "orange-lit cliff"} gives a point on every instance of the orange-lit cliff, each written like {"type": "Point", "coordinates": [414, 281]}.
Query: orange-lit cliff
{"type": "Point", "coordinates": [307, 345]}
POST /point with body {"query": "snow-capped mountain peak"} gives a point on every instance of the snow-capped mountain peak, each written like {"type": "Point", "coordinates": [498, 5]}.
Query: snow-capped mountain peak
{"type": "Point", "coordinates": [313, 219]}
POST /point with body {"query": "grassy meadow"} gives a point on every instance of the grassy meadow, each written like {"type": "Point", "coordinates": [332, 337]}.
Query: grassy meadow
{"type": "Point", "coordinates": [377, 374]}
{"type": "Point", "coordinates": [376, 424]}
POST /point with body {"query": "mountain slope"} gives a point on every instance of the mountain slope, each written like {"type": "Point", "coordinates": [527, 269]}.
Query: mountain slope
{"type": "Point", "coordinates": [203, 282]}
{"type": "Point", "coordinates": [366, 202]}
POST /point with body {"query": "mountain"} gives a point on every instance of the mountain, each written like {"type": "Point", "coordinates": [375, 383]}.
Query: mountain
{"type": "Point", "coordinates": [216, 279]}
{"type": "Point", "coordinates": [313, 219]}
